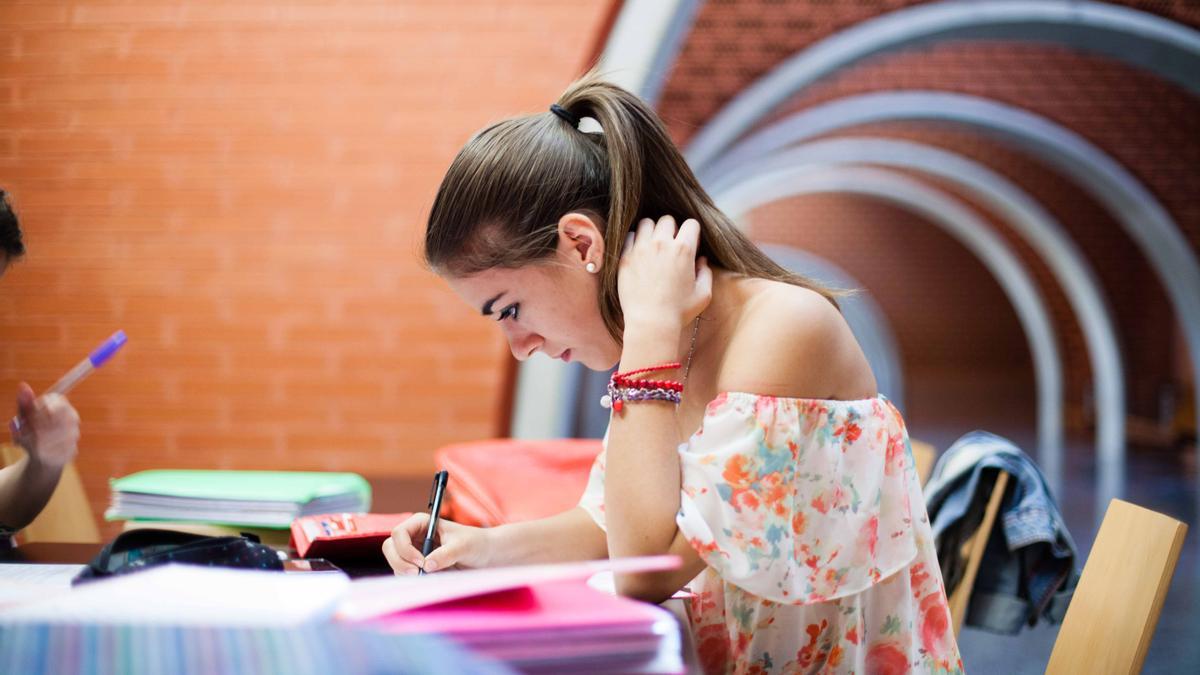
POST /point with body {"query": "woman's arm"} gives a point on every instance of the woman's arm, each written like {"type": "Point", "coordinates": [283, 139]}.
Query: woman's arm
{"type": "Point", "coordinates": [25, 487]}
{"type": "Point", "coordinates": [570, 535]}
{"type": "Point", "coordinates": [662, 290]}
{"type": "Point", "coordinates": [790, 342]}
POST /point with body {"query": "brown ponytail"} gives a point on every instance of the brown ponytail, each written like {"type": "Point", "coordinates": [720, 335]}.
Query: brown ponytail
{"type": "Point", "coordinates": [502, 197]}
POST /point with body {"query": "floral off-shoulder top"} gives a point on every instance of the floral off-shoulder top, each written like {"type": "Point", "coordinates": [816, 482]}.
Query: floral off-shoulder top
{"type": "Point", "coordinates": [819, 554]}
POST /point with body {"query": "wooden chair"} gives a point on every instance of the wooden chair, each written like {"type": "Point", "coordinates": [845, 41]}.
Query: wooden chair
{"type": "Point", "coordinates": [1115, 608]}
{"type": "Point", "coordinates": [67, 517]}
{"type": "Point", "coordinates": [972, 552]}
{"type": "Point", "coordinates": [924, 455]}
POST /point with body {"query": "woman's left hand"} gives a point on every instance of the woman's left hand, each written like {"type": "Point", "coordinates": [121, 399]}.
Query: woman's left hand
{"type": "Point", "coordinates": [660, 279]}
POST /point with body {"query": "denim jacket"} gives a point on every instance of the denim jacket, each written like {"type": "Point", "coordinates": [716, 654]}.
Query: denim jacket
{"type": "Point", "coordinates": [1028, 568]}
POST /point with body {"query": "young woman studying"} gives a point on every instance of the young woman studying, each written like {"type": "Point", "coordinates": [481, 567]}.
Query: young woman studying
{"type": "Point", "coordinates": [747, 436]}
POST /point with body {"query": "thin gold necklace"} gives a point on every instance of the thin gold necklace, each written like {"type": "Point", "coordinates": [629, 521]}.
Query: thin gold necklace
{"type": "Point", "coordinates": [691, 350]}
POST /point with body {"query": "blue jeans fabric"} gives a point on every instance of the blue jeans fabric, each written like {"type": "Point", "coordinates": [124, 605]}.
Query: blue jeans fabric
{"type": "Point", "coordinates": [1028, 569]}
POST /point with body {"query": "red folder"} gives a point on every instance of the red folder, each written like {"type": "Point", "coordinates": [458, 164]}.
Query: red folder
{"type": "Point", "coordinates": [343, 536]}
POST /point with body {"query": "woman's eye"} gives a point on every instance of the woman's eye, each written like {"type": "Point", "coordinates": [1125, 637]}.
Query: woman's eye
{"type": "Point", "coordinates": [509, 312]}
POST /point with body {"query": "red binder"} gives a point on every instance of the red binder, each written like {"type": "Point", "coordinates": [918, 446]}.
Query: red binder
{"type": "Point", "coordinates": [343, 536]}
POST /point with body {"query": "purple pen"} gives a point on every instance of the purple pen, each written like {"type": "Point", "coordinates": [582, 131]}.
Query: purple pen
{"type": "Point", "coordinates": [85, 367]}
{"type": "Point", "coordinates": [81, 370]}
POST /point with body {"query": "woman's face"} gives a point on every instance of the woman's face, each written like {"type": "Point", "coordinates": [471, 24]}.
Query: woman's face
{"type": "Point", "coordinates": [549, 307]}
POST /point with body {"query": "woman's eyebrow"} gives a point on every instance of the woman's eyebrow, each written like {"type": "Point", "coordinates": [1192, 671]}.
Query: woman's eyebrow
{"type": "Point", "coordinates": [487, 306]}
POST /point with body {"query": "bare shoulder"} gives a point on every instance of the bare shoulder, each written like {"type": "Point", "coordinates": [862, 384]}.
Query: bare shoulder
{"type": "Point", "coordinates": [791, 341]}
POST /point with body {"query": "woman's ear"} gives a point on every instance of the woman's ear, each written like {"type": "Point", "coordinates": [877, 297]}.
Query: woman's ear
{"type": "Point", "coordinates": [581, 242]}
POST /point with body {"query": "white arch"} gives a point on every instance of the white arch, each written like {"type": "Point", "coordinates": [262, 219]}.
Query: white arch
{"type": "Point", "coordinates": [1069, 266]}
{"type": "Point", "coordinates": [1149, 42]}
{"type": "Point", "coordinates": [1138, 212]}
{"type": "Point", "coordinates": [639, 51]}
{"type": "Point", "coordinates": [1145, 40]}
{"type": "Point", "coordinates": [644, 42]}
{"type": "Point", "coordinates": [958, 221]}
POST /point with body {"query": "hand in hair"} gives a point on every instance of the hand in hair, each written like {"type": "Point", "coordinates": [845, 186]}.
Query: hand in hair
{"type": "Point", "coordinates": [661, 282]}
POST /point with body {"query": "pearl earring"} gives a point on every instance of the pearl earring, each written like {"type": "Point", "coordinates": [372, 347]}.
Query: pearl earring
{"type": "Point", "coordinates": [590, 267]}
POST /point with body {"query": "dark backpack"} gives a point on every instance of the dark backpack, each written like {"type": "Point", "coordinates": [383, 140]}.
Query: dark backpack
{"type": "Point", "coordinates": [142, 549]}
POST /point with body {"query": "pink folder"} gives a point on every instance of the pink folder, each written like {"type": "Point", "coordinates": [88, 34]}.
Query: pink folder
{"type": "Point", "coordinates": [551, 609]}
{"type": "Point", "coordinates": [542, 618]}
{"type": "Point", "coordinates": [379, 596]}
{"type": "Point", "coordinates": [552, 626]}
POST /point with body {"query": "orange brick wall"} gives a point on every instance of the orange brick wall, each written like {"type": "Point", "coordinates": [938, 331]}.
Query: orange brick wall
{"type": "Point", "coordinates": [961, 344]}
{"type": "Point", "coordinates": [1148, 124]}
{"type": "Point", "coordinates": [242, 187]}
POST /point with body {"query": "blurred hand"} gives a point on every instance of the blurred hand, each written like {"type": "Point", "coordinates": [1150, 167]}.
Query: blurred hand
{"type": "Point", "coordinates": [458, 546]}
{"type": "Point", "coordinates": [48, 427]}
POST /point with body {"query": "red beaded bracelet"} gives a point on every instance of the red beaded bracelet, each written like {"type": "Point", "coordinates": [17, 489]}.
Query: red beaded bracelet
{"type": "Point", "coordinates": [624, 386]}
{"type": "Point", "coordinates": [674, 365]}
{"type": "Point", "coordinates": [673, 385]}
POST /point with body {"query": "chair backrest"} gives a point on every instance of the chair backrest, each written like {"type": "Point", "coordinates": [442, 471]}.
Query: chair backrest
{"type": "Point", "coordinates": [972, 552]}
{"type": "Point", "coordinates": [67, 517]}
{"type": "Point", "coordinates": [509, 480]}
{"type": "Point", "coordinates": [1115, 607]}
{"type": "Point", "coordinates": [924, 456]}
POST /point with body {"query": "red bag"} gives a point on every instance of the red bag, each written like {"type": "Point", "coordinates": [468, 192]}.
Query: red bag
{"type": "Point", "coordinates": [507, 480]}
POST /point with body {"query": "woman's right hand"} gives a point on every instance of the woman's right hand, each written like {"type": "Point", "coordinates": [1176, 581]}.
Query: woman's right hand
{"type": "Point", "coordinates": [47, 427]}
{"type": "Point", "coordinates": [457, 546]}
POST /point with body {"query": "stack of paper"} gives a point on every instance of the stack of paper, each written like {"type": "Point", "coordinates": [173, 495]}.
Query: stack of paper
{"type": "Point", "coordinates": [22, 582]}
{"type": "Point", "coordinates": [537, 619]}
{"type": "Point", "coordinates": [191, 595]}
{"type": "Point", "coordinates": [115, 649]}
{"type": "Point", "coordinates": [560, 627]}
{"type": "Point", "coordinates": [251, 498]}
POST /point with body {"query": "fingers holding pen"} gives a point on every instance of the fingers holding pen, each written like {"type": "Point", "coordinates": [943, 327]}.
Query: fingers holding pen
{"type": "Point", "coordinates": [401, 554]}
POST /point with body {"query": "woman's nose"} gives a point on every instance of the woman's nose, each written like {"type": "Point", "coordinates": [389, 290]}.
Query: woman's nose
{"type": "Point", "coordinates": [523, 344]}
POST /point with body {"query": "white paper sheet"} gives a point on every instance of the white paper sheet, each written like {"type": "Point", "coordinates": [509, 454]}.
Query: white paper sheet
{"type": "Point", "coordinates": [23, 581]}
{"type": "Point", "coordinates": [194, 596]}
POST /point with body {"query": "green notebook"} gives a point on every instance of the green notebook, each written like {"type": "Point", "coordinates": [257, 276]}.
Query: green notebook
{"type": "Point", "coordinates": [257, 498]}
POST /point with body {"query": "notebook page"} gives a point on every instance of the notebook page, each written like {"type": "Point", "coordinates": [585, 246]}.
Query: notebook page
{"type": "Point", "coordinates": [194, 596]}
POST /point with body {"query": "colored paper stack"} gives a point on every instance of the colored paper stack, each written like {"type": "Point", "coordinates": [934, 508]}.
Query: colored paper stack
{"type": "Point", "coordinates": [250, 498]}
{"type": "Point", "coordinates": [561, 627]}
{"type": "Point", "coordinates": [536, 619]}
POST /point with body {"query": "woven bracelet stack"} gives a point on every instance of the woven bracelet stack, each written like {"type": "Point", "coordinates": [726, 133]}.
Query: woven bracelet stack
{"type": "Point", "coordinates": [627, 386]}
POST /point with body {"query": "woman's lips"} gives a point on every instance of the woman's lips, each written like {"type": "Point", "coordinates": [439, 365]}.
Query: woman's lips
{"type": "Point", "coordinates": [565, 356]}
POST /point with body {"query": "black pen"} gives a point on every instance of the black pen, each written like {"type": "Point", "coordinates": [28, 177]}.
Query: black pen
{"type": "Point", "coordinates": [435, 507]}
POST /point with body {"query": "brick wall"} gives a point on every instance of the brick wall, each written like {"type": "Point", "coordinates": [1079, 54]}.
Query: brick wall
{"type": "Point", "coordinates": [734, 42]}
{"type": "Point", "coordinates": [242, 187]}
{"type": "Point", "coordinates": [1147, 124]}
{"type": "Point", "coordinates": [1150, 126]}
{"type": "Point", "coordinates": [948, 314]}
